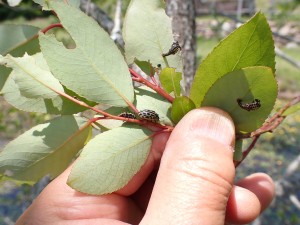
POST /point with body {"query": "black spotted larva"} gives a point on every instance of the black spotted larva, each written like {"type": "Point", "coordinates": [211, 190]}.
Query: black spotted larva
{"type": "Point", "coordinates": [173, 50]}
{"type": "Point", "coordinates": [149, 115]}
{"type": "Point", "coordinates": [127, 115]}
{"type": "Point", "coordinates": [254, 105]}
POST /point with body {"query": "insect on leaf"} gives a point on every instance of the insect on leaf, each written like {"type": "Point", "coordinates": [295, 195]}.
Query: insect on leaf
{"type": "Point", "coordinates": [249, 45]}
{"type": "Point", "coordinates": [148, 34]}
{"type": "Point", "coordinates": [247, 84]}
{"type": "Point", "coordinates": [146, 98]}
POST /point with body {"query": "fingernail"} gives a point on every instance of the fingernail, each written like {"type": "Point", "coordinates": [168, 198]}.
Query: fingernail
{"type": "Point", "coordinates": [215, 124]}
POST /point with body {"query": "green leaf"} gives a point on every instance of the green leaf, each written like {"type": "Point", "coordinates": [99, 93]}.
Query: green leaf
{"type": "Point", "coordinates": [109, 124]}
{"type": "Point", "coordinates": [170, 80]}
{"type": "Point", "coordinates": [181, 106]}
{"type": "Point", "coordinates": [249, 45]}
{"type": "Point", "coordinates": [95, 69]}
{"type": "Point", "coordinates": [238, 150]}
{"type": "Point", "coordinates": [106, 165]}
{"type": "Point", "coordinates": [146, 98]}
{"type": "Point", "coordinates": [4, 73]}
{"type": "Point", "coordinates": [18, 39]}
{"type": "Point", "coordinates": [146, 67]}
{"type": "Point", "coordinates": [291, 110]}
{"type": "Point", "coordinates": [45, 3]}
{"type": "Point", "coordinates": [33, 81]}
{"type": "Point", "coordinates": [31, 86]}
{"type": "Point", "coordinates": [246, 84]}
{"type": "Point", "coordinates": [45, 149]}
{"type": "Point", "coordinates": [148, 34]}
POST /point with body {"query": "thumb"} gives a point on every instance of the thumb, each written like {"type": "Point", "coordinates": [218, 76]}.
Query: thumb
{"type": "Point", "coordinates": [196, 172]}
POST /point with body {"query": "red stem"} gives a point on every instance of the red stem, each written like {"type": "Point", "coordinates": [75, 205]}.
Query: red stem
{"type": "Point", "coordinates": [138, 78]}
{"type": "Point", "coordinates": [45, 30]}
{"type": "Point", "coordinates": [247, 151]}
{"type": "Point", "coordinates": [105, 114]}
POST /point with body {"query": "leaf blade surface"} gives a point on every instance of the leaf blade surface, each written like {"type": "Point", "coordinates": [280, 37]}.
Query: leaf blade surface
{"type": "Point", "coordinates": [45, 149]}
{"type": "Point", "coordinates": [95, 68]}
{"type": "Point", "coordinates": [106, 165]}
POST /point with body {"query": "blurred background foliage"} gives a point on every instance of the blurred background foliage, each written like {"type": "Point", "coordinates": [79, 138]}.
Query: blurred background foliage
{"type": "Point", "coordinates": [273, 153]}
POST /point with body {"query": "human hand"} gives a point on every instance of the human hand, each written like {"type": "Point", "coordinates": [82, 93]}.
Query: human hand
{"type": "Point", "coordinates": [194, 184]}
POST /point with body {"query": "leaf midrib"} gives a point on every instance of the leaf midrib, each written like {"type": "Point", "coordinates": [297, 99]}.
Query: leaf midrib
{"type": "Point", "coordinates": [32, 75]}
{"type": "Point", "coordinates": [246, 47]}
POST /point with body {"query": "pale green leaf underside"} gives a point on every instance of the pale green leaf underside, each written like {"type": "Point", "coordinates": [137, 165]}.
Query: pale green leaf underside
{"type": "Point", "coordinates": [147, 34]}
{"type": "Point", "coordinates": [32, 76]}
{"type": "Point", "coordinates": [110, 160]}
{"type": "Point", "coordinates": [15, 36]}
{"type": "Point", "coordinates": [31, 86]}
{"type": "Point", "coordinates": [146, 98]}
{"type": "Point", "coordinates": [95, 68]}
{"type": "Point", "coordinates": [45, 149]}
{"type": "Point", "coordinates": [247, 84]}
{"type": "Point", "coordinates": [16, 40]}
{"type": "Point", "coordinates": [45, 3]}
{"type": "Point", "coordinates": [249, 45]}
{"type": "Point", "coordinates": [108, 124]}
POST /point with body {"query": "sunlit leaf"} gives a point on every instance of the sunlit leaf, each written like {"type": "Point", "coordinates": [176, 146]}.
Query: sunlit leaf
{"type": "Point", "coordinates": [106, 165]}
{"type": "Point", "coordinates": [181, 106]}
{"type": "Point", "coordinates": [246, 84]}
{"type": "Point", "coordinates": [46, 6]}
{"type": "Point", "coordinates": [30, 78]}
{"type": "Point", "coordinates": [45, 149]}
{"type": "Point", "coordinates": [95, 68]}
{"type": "Point", "coordinates": [170, 80]}
{"type": "Point", "coordinates": [249, 45]}
{"type": "Point", "coordinates": [13, 3]}
{"type": "Point", "coordinates": [16, 39]}
{"type": "Point", "coordinates": [32, 87]}
{"type": "Point", "coordinates": [148, 34]}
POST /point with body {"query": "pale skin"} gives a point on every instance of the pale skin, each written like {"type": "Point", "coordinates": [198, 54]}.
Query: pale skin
{"type": "Point", "coordinates": [187, 179]}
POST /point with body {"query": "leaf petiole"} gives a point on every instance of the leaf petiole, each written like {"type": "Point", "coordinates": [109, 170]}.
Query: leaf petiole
{"type": "Point", "coordinates": [138, 78]}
